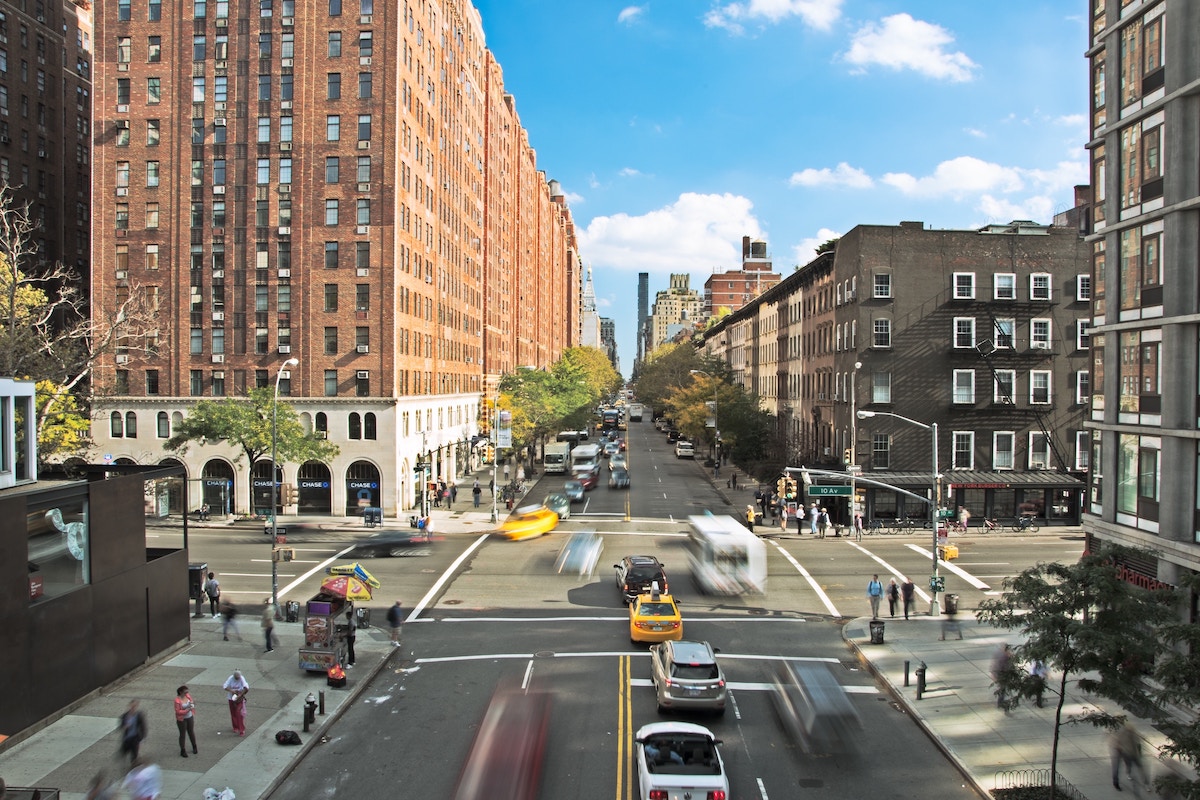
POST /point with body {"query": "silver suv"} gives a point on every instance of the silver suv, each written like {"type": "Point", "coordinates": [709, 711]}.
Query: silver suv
{"type": "Point", "coordinates": [687, 676]}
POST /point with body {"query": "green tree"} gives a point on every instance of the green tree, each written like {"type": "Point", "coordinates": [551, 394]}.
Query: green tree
{"type": "Point", "coordinates": [1177, 678]}
{"type": "Point", "coordinates": [64, 426]}
{"type": "Point", "coordinates": [1084, 622]}
{"type": "Point", "coordinates": [245, 423]}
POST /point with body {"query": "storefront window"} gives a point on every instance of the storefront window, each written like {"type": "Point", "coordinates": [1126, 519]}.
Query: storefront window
{"type": "Point", "coordinates": [59, 553]}
{"type": "Point", "coordinates": [1127, 474]}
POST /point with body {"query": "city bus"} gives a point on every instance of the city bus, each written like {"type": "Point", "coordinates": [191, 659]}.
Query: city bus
{"type": "Point", "coordinates": [724, 557]}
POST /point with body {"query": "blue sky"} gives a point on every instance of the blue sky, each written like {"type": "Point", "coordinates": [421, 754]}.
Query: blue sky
{"type": "Point", "coordinates": [677, 126]}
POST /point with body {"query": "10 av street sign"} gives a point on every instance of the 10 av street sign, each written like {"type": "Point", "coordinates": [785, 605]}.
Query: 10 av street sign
{"type": "Point", "coordinates": [828, 491]}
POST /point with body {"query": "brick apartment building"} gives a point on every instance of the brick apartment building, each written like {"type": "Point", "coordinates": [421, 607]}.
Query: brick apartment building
{"type": "Point", "coordinates": [346, 184]}
{"type": "Point", "coordinates": [734, 288]}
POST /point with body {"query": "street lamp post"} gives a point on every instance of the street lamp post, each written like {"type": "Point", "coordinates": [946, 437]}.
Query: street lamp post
{"type": "Point", "coordinates": [291, 362]}
{"type": "Point", "coordinates": [933, 495]}
{"type": "Point", "coordinates": [716, 428]}
{"type": "Point", "coordinates": [495, 438]}
{"type": "Point", "coordinates": [852, 467]}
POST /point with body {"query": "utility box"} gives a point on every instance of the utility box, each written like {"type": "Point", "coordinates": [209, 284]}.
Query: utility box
{"type": "Point", "coordinates": [372, 516]}
{"type": "Point", "coordinates": [196, 576]}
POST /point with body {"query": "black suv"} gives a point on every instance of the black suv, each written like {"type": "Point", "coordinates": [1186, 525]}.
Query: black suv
{"type": "Point", "coordinates": [636, 573]}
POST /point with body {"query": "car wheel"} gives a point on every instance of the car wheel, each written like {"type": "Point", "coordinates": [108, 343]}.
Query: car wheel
{"type": "Point", "coordinates": [661, 708]}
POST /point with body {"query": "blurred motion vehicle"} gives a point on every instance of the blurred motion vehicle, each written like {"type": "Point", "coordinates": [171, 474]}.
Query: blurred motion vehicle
{"type": "Point", "coordinates": [635, 574]}
{"type": "Point", "coordinates": [618, 459]}
{"type": "Point", "coordinates": [678, 760]}
{"type": "Point", "coordinates": [573, 490]}
{"type": "Point", "coordinates": [585, 457]}
{"type": "Point", "coordinates": [635, 412]}
{"type": "Point", "coordinates": [619, 479]}
{"type": "Point", "coordinates": [814, 708]}
{"type": "Point", "coordinates": [529, 522]}
{"type": "Point", "coordinates": [654, 617]}
{"type": "Point", "coordinates": [686, 675]}
{"type": "Point", "coordinates": [588, 478]}
{"type": "Point", "coordinates": [559, 503]}
{"type": "Point", "coordinates": [580, 554]}
{"type": "Point", "coordinates": [611, 449]}
{"type": "Point", "coordinates": [724, 557]}
{"type": "Point", "coordinates": [393, 543]}
{"type": "Point", "coordinates": [505, 761]}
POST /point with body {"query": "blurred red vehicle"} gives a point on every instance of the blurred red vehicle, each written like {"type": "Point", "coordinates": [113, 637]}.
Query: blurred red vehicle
{"type": "Point", "coordinates": [505, 762]}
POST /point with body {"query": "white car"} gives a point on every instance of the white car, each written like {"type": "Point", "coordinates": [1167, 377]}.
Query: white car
{"type": "Point", "coordinates": [684, 449]}
{"type": "Point", "coordinates": [618, 460]}
{"type": "Point", "coordinates": [679, 760]}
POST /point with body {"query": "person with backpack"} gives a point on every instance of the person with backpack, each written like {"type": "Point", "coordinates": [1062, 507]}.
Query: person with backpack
{"type": "Point", "coordinates": [874, 594]}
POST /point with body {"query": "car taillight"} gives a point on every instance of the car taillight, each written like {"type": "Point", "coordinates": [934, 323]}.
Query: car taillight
{"type": "Point", "coordinates": [658, 794]}
{"type": "Point", "coordinates": [719, 794]}
{"type": "Point", "coordinates": [721, 683]}
{"type": "Point", "coordinates": [674, 625]}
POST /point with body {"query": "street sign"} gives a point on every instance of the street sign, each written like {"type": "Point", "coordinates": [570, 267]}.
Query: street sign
{"type": "Point", "coordinates": [946, 513]}
{"type": "Point", "coordinates": [937, 584]}
{"type": "Point", "coordinates": [828, 491]}
{"type": "Point", "coordinates": [421, 466]}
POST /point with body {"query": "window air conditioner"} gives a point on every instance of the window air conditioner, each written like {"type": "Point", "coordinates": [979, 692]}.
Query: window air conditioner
{"type": "Point", "coordinates": [321, 434]}
{"type": "Point", "coordinates": [284, 349]}
{"type": "Point", "coordinates": [361, 229]}
{"type": "Point", "coordinates": [218, 358]}
{"type": "Point", "coordinates": [364, 61]}
{"type": "Point", "coordinates": [1040, 346]}
{"type": "Point", "coordinates": [285, 230]}
{"type": "Point", "coordinates": [285, 273]}
{"type": "Point", "coordinates": [122, 274]}
{"type": "Point", "coordinates": [122, 359]}
{"type": "Point", "coordinates": [363, 374]}
{"type": "Point", "coordinates": [285, 104]}
{"type": "Point", "coordinates": [364, 144]}
{"type": "Point", "coordinates": [218, 316]}
{"type": "Point", "coordinates": [122, 191]}
{"type": "Point", "coordinates": [219, 189]}
{"type": "Point", "coordinates": [285, 62]}
{"type": "Point", "coordinates": [219, 122]}
{"type": "Point", "coordinates": [285, 145]}
{"type": "Point", "coordinates": [219, 374]}
{"type": "Point", "coordinates": [364, 187]}
{"type": "Point", "coordinates": [363, 348]}
{"type": "Point", "coordinates": [285, 188]}
{"type": "Point", "coordinates": [288, 21]}
{"type": "Point", "coordinates": [363, 272]}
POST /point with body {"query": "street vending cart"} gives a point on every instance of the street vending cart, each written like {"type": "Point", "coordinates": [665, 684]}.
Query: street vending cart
{"type": "Point", "coordinates": [324, 632]}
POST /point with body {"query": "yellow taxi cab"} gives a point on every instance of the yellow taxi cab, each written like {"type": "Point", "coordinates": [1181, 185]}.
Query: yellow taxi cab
{"type": "Point", "coordinates": [654, 617]}
{"type": "Point", "coordinates": [529, 522]}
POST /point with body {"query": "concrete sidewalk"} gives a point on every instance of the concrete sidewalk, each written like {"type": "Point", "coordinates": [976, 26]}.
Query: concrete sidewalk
{"type": "Point", "coordinates": [958, 708]}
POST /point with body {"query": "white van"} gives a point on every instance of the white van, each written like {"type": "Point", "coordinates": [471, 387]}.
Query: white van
{"type": "Point", "coordinates": [585, 457]}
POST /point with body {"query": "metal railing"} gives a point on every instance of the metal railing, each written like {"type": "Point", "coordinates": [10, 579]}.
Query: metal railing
{"type": "Point", "coordinates": [1025, 778]}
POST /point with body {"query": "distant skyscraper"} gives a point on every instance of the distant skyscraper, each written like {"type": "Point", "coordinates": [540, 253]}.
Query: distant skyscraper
{"type": "Point", "coordinates": [643, 313]}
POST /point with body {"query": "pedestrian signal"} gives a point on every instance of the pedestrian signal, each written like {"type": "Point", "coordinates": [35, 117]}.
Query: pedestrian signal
{"type": "Point", "coordinates": [781, 486]}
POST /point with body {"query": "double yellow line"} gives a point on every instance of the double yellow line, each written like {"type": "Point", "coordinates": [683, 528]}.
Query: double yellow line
{"type": "Point", "coordinates": [624, 771]}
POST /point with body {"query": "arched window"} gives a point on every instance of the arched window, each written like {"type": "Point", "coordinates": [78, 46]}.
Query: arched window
{"type": "Point", "coordinates": [130, 425]}
{"type": "Point", "coordinates": [117, 428]}
{"type": "Point", "coordinates": [321, 425]}
{"type": "Point", "coordinates": [355, 426]}
{"type": "Point", "coordinates": [164, 425]}
{"type": "Point", "coordinates": [368, 425]}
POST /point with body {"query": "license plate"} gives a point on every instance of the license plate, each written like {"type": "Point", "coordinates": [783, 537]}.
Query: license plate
{"type": "Point", "coordinates": [658, 627]}
{"type": "Point", "coordinates": [694, 692]}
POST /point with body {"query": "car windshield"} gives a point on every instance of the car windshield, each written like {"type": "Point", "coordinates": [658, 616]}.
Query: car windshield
{"type": "Point", "coordinates": [657, 610]}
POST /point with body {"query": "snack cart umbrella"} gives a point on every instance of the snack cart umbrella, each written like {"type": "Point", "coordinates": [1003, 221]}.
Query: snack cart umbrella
{"type": "Point", "coordinates": [357, 570]}
{"type": "Point", "coordinates": [348, 587]}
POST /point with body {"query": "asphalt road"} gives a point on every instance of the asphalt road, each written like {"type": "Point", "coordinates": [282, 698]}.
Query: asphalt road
{"type": "Point", "coordinates": [504, 615]}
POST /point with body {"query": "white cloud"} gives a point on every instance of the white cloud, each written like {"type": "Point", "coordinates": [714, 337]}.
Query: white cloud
{"type": "Point", "coordinates": [957, 177]}
{"type": "Point", "coordinates": [976, 132]}
{"type": "Point", "coordinates": [820, 14]}
{"type": "Point", "coordinates": [806, 251]}
{"type": "Point", "coordinates": [629, 172]}
{"type": "Point", "coordinates": [1072, 120]}
{"type": "Point", "coordinates": [1038, 208]}
{"type": "Point", "coordinates": [629, 14]}
{"type": "Point", "coordinates": [900, 42]}
{"type": "Point", "coordinates": [695, 234]}
{"type": "Point", "coordinates": [842, 175]}
{"type": "Point", "coordinates": [574, 199]}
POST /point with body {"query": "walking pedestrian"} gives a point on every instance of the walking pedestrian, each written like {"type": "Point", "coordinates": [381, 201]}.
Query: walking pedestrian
{"type": "Point", "coordinates": [204, 512]}
{"type": "Point", "coordinates": [907, 590]}
{"type": "Point", "coordinates": [783, 512]}
{"type": "Point", "coordinates": [521, 475]}
{"type": "Point", "coordinates": [185, 719]}
{"type": "Point", "coordinates": [134, 730]}
{"type": "Point", "coordinates": [236, 688]}
{"type": "Point", "coordinates": [1126, 747]}
{"type": "Point", "coordinates": [893, 596]}
{"type": "Point", "coordinates": [476, 490]}
{"type": "Point", "coordinates": [964, 518]}
{"type": "Point", "coordinates": [143, 781]}
{"type": "Point", "coordinates": [230, 612]}
{"type": "Point", "coordinates": [874, 595]}
{"type": "Point", "coordinates": [762, 497]}
{"type": "Point", "coordinates": [268, 624]}
{"type": "Point", "coordinates": [822, 522]}
{"type": "Point", "coordinates": [1038, 673]}
{"type": "Point", "coordinates": [750, 517]}
{"type": "Point", "coordinates": [1001, 664]}
{"type": "Point", "coordinates": [950, 623]}
{"type": "Point", "coordinates": [98, 788]}
{"type": "Point", "coordinates": [506, 472]}
{"type": "Point", "coordinates": [813, 513]}
{"type": "Point", "coordinates": [351, 633]}
{"type": "Point", "coordinates": [395, 616]}
{"type": "Point", "coordinates": [213, 589]}
{"type": "Point", "coordinates": [858, 526]}
{"type": "Point", "coordinates": [453, 490]}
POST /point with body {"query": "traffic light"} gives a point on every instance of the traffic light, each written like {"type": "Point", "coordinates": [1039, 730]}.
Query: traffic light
{"type": "Point", "coordinates": [491, 454]}
{"type": "Point", "coordinates": [781, 486]}
{"type": "Point", "coordinates": [846, 456]}
{"type": "Point", "coordinates": [791, 489]}
{"type": "Point", "coordinates": [290, 495]}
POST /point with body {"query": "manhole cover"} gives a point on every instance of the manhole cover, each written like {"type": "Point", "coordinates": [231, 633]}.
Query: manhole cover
{"type": "Point", "coordinates": [452, 602]}
{"type": "Point", "coordinates": [544, 654]}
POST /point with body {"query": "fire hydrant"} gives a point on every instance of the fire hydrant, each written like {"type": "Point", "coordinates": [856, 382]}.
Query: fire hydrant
{"type": "Point", "coordinates": [310, 711]}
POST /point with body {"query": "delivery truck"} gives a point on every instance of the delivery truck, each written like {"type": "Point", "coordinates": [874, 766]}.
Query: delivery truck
{"type": "Point", "coordinates": [555, 457]}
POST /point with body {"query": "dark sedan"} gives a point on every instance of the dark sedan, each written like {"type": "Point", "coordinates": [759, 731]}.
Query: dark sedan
{"type": "Point", "coordinates": [619, 479]}
{"type": "Point", "coordinates": [394, 544]}
{"type": "Point", "coordinates": [574, 491]}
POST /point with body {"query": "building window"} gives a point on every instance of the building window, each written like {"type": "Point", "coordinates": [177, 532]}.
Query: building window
{"type": "Point", "coordinates": [333, 128]}
{"type": "Point", "coordinates": [331, 383]}
{"type": "Point", "coordinates": [365, 45]}
{"type": "Point", "coordinates": [362, 255]}
{"type": "Point", "coordinates": [883, 285]}
{"type": "Point", "coordinates": [332, 169]}
{"type": "Point", "coordinates": [1082, 446]}
{"type": "Point", "coordinates": [263, 171]}
{"type": "Point", "coordinates": [354, 426]}
{"type": "Point", "coordinates": [199, 47]}
{"type": "Point", "coordinates": [1005, 333]}
{"type": "Point", "coordinates": [362, 297]}
{"type": "Point", "coordinates": [364, 127]}
{"type": "Point", "coordinates": [1083, 387]}
{"type": "Point", "coordinates": [964, 286]}
{"type": "Point", "coordinates": [1003, 444]}
{"type": "Point", "coordinates": [964, 386]}
{"type": "Point", "coordinates": [1039, 286]}
{"type": "Point", "coordinates": [1083, 288]}
{"type": "Point", "coordinates": [362, 211]}
{"type": "Point", "coordinates": [331, 341]}
{"type": "Point", "coordinates": [331, 211]}
{"type": "Point", "coordinates": [164, 425]}
{"type": "Point", "coordinates": [321, 421]}
{"type": "Point", "coordinates": [1004, 286]}
{"type": "Point", "coordinates": [123, 92]}
{"type": "Point", "coordinates": [1039, 386]}
{"type": "Point", "coordinates": [333, 86]}
{"type": "Point", "coordinates": [218, 384]}
{"type": "Point", "coordinates": [116, 425]}
{"type": "Point", "coordinates": [334, 48]}
{"type": "Point", "coordinates": [964, 450]}
{"type": "Point", "coordinates": [285, 170]}
{"type": "Point", "coordinates": [153, 49]}
{"type": "Point", "coordinates": [881, 448]}
{"type": "Point", "coordinates": [335, 8]}
{"type": "Point", "coordinates": [1039, 450]}
{"type": "Point", "coordinates": [964, 332]}
{"type": "Point", "coordinates": [363, 172]}
{"type": "Point", "coordinates": [1082, 336]}
{"type": "Point", "coordinates": [882, 333]}
{"type": "Point", "coordinates": [331, 255]}
{"type": "Point", "coordinates": [198, 89]}
{"type": "Point", "coordinates": [122, 216]}
{"type": "Point", "coordinates": [362, 384]}
{"type": "Point", "coordinates": [124, 10]}
{"type": "Point", "coordinates": [1039, 334]}
{"type": "Point", "coordinates": [364, 86]}
{"type": "Point", "coordinates": [331, 297]}
{"type": "Point", "coordinates": [152, 257]}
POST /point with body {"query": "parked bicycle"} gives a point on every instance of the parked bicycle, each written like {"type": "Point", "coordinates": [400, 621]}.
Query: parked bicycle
{"type": "Point", "coordinates": [1024, 523]}
{"type": "Point", "coordinates": [909, 525]}
{"type": "Point", "coordinates": [991, 525]}
{"type": "Point", "coordinates": [876, 526]}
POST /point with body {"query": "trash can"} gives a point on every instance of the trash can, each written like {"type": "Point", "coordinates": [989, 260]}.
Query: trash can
{"type": "Point", "coordinates": [196, 575]}
{"type": "Point", "coordinates": [372, 516]}
{"type": "Point", "coordinates": [363, 615]}
{"type": "Point", "coordinates": [876, 631]}
{"type": "Point", "coordinates": [292, 611]}
{"type": "Point", "coordinates": [951, 604]}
